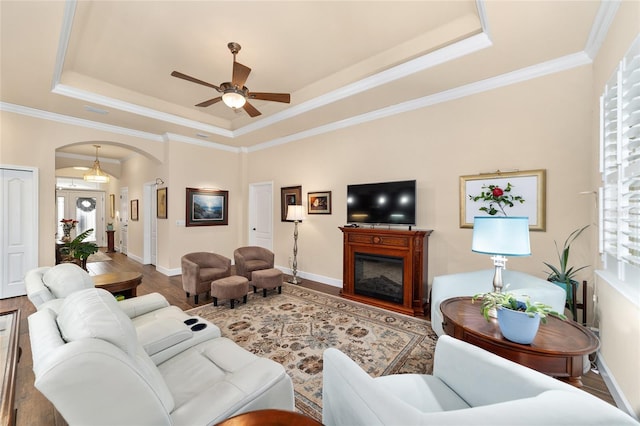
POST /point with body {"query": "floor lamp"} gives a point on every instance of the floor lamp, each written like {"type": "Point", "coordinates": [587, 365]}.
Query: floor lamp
{"type": "Point", "coordinates": [501, 237]}
{"type": "Point", "coordinates": [296, 214]}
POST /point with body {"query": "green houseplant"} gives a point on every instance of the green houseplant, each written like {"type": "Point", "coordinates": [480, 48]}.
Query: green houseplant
{"type": "Point", "coordinates": [79, 250]}
{"type": "Point", "coordinates": [564, 275]}
{"type": "Point", "coordinates": [518, 320]}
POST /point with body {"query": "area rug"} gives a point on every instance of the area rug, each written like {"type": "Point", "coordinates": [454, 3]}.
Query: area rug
{"type": "Point", "coordinates": [98, 257]}
{"type": "Point", "coordinates": [295, 327]}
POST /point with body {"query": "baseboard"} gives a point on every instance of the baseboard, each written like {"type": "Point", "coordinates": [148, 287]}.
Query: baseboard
{"type": "Point", "coordinates": [313, 277]}
{"type": "Point", "coordinates": [169, 272]}
{"type": "Point", "coordinates": [614, 389]}
{"type": "Point", "coordinates": [304, 275]}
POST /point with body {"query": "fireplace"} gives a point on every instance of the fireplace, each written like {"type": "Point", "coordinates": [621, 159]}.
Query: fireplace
{"type": "Point", "coordinates": [380, 277]}
{"type": "Point", "coordinates": [386, 268]}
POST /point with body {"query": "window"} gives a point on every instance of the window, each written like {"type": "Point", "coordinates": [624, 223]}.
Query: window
{"type": "Point", "coordinates": [620, 169]}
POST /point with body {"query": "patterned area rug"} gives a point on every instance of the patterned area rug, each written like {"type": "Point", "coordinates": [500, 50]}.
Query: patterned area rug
{"type": "Point", "coordinates": [295, 327]}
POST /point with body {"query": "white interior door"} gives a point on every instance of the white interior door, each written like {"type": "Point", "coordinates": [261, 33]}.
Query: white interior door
{"type": "Point", "coordinates": [19, 226]}
{"type": "Point", "coordinates": [261, 214]}
{"type": "Point", "coordinates": [123, 220]}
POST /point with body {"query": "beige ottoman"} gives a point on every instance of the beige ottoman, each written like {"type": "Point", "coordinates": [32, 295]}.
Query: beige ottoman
{"type": "Point", "coordinates": [233, 287]}
{"type": "Point", "coordinates": [266, 279]}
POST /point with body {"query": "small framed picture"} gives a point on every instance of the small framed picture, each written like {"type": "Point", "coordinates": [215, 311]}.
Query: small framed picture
{"type": "Point", "coordinates": [112, 205]}
{"type": "Point", "coordinates": [290, 196]}
{"type": "Point", "coordinates": [207, 207]}
{"type": "Point", "coordinates": [319, 202]}
{"type": "Point", "coordinates": [161, 203]}
{"type": "Point", "coordinates": [134, 209]}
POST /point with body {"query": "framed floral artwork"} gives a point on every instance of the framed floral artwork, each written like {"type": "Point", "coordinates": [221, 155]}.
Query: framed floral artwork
{"type": "Point", "coordinates": [319, 202]}
{"type": "Point", "coordinates": [520, 193]}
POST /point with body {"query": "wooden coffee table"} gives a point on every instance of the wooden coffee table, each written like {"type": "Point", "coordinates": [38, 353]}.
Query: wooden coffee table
{"type": "Point", "coordinates": [124, 283]}
{"type": "Point", "coordinates": [559, 348]}
{"type": "Point", "coordinates": [270, 417]}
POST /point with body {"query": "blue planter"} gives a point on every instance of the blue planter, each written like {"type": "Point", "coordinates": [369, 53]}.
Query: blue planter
{"type": "Point", "coordinates": [518, 326]}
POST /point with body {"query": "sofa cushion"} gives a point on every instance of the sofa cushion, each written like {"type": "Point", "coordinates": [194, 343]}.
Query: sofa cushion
{"type": "Point", "coordinates": [94, 313]}
{"type": "Point", "coordinates": [66, 278]}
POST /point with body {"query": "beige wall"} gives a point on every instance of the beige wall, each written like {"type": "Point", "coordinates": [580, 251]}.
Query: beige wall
{"type": "Point", "coordinates": [534, 125]}
{"type": "Point", "coordinates": [618, 316]}
{"type": "Point", "coordinates": [32, 142]}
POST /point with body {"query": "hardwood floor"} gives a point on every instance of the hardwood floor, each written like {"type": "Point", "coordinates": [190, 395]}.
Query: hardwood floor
{"type": "Point", "coordinates": [34, 409]}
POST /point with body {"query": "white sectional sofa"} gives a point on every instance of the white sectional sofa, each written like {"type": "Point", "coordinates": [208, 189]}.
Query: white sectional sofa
{"type": "Point", "coordinates": [469, 386]}
{"type": "Point", "coordinates": [89, 362]}
{"type": "Point", "coordinates": [472, 283]}
{"type": "Point", "coordinates": [160, 327]}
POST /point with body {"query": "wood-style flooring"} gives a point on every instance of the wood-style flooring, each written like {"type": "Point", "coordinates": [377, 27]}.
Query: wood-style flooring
{"type": "Point", "coordinates": [34, 409]}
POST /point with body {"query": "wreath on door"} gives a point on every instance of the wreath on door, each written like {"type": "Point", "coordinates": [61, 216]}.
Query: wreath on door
{"type": "Point", "coordinates": [86, 204]}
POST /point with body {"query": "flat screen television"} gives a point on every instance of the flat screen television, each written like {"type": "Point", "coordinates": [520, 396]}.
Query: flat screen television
{"type": "Point", "coordinates": [392, 203]}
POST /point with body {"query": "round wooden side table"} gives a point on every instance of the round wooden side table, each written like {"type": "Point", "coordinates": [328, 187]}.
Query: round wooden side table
{"type": "Point", "coordinates": [559, 348]}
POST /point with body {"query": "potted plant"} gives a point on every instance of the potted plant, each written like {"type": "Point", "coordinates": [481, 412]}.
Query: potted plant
{"type": "Point", "coordinates": [563, 275]}
{"type": "Point", "coordinates": [79, 250]}
{"type": "Point", "coordinates": [518, 320]}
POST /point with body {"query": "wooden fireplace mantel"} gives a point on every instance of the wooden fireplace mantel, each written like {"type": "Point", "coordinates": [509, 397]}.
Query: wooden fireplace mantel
{"type": "Point", "coordinates": [410, 246]}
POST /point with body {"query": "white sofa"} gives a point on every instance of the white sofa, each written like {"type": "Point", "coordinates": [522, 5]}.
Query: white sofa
{"type": "Point", "coordinates": [47, 286]}
{"type": "Point", "coordinates": [472, 283]}
{"type": "Point", "coordinates": [469, 386]}
{"type": "Point", "coordinates": [160, 327]}
{"type": "Point", "coordinates": [89, 363]}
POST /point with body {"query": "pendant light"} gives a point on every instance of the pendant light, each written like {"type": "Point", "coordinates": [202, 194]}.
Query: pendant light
{"type": "Point", "coordinates": [96, 174]}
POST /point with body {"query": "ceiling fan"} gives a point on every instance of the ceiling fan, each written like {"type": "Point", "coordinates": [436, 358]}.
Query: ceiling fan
{"type": "Point", "coordinates": [235, 94]}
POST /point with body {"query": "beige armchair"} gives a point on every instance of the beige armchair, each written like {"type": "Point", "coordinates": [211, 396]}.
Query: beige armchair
{"type": "Point", "coordinates": [199, 269]}
{"type": "Point", "coordinates": [252, 258]}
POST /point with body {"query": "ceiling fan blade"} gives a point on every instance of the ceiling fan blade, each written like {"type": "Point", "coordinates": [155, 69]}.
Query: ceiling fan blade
{"type": "Point", "coordinates": [251, 110]}
{"type": "Point", "coordinates": [209, 102]}
{"type": "Point", "coordinates": [275, 97]}
{"type": "Point", "coordinates": [240, 74]}
{"type": "Point", "coordinates": [194, 80]}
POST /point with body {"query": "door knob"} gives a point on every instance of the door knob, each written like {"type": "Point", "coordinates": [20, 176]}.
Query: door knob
{"type": "Point", "coordinates": [254, 229]}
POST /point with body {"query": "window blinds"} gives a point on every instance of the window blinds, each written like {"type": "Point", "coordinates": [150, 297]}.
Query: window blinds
{"type": "Point", "coordinates": [620, 167]}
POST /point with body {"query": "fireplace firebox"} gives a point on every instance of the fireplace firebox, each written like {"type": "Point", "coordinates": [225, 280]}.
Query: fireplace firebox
{"type": "Point", "coordinates": [380, 277]}
{"type": "Point", "coordinates": [386, 268]}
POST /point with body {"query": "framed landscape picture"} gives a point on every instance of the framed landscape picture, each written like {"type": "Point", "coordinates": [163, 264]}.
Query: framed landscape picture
{"type": "Point", "coordinates": [289, 196]}
{"type": "Point", "coordinates": [161, 203]}
{"type": "Point", "coordinates": [319, 202]}
{"type": "Point", "coordinates": [207, 207]}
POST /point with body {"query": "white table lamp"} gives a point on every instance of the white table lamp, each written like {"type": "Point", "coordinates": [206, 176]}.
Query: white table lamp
{"type": "Point", "coordinates": [501, 237]}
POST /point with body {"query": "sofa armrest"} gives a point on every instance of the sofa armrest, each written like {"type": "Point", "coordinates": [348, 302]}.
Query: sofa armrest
{"type": "Point", "coordinates": [144, 304]}
{"type": "Point", "coordinates": [37, 292]}
{"type": "Point", "coordinates": [351, 397]}
{"type": "Point", "coordinates": [161, 334]}
{"type": "Point", "coordinates": [502, 380]}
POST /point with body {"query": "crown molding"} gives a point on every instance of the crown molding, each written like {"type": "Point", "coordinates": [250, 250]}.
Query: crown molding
{"type": "Point", "coordinates": [193, 141]}
{"type": "Point", "coordinates": [80, 122]}
{"type": "Point", "coordinates": [72, 92]}
{"type": "Point", "coordinates": [601, 24]}
{"type": "Point", "coordinates": [539, 70]}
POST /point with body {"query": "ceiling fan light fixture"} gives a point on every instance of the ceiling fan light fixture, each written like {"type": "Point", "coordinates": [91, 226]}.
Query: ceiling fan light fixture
{"type": "Point", "coordinates": [234, 98]}
{"type": "Point", "coordinates": [96, 174]}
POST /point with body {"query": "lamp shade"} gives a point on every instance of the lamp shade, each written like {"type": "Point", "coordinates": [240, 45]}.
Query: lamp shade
{"type": "Point", "coordinates": [295, 213]}
{"type": "Point", "coordinates": [506, 236]}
